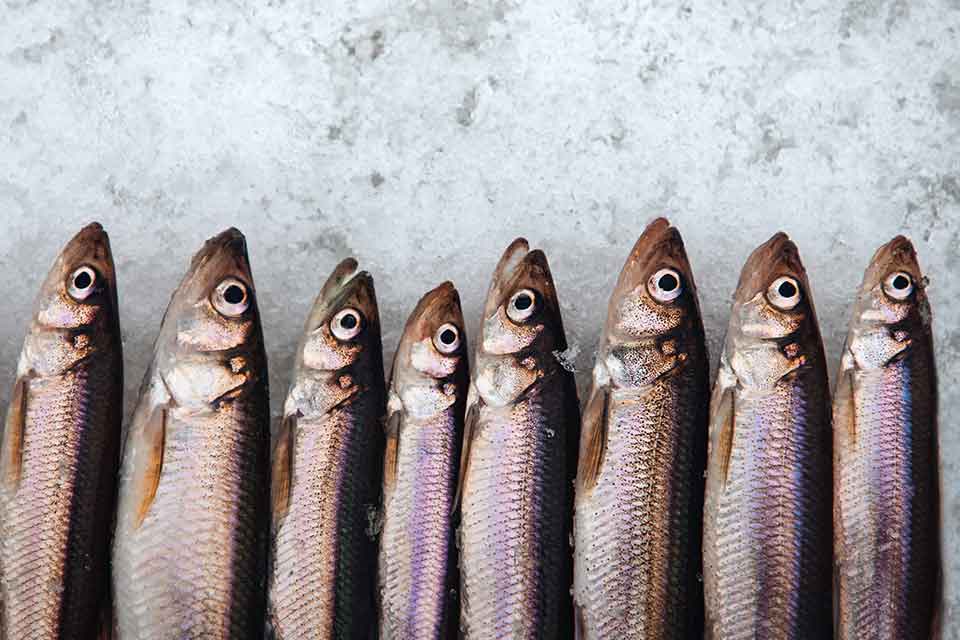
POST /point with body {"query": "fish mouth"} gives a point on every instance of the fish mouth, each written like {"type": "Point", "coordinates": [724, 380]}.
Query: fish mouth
{"type": "Point", "coordinates": [222, 255]}
{"type": "Point", "coordinates": [436, 308]}
{"type": "Point", "coordinates": [521, 268]}
{"type": "Point", "coordinates": [90, 246]}
{"type": "Point", "coordinates": [660, 245]}
{"type": "Point", "coordinates": [896, 255]}
{"type": "Point", "coordinates": [346, 285]}
{"type": "Point", "coordinates": [776, 257]}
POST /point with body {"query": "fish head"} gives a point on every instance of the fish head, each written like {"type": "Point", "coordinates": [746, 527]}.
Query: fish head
{"type": "Point", "coordinates": [210, 342]}
{"type": "Point", "coordinates": [76, 309]}
{"type": "Point", "coordinates": [521, 327]}
{"type": "Point", "coordinates": [343, 323]}
{"type": "Point", "coordinates": [430, 365]}
{"type": "Point", "coordinates": [891, 308]}
{"type": "Point", "coordinates": [653, 319]}
{"type": "Point", "coordinates": [773, 327]}
{"type": "Point", "coordinates": [340, 353]}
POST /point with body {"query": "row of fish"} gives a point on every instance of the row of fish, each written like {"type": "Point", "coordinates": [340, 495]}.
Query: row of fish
{"type": "Point", "coordinates": [445, 504]}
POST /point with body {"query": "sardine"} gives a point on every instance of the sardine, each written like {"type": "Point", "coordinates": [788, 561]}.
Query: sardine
{"type": "Point", "coordinates": [327, 467]}
{"type": "Point", "coordinates": [886, 477]}
{"type": "Point", "coordinates": [520, 448]}
{"type": "Point", "coordinates": [639, 502]}
{"type": "Point", "coordinates": [190, 550]}
{"type": "Point", "coordinates": [767, 514]}
{"type": "Point", "coordinates": [61, 442]}
{"type": "Point", "coordinates": [425, 409]}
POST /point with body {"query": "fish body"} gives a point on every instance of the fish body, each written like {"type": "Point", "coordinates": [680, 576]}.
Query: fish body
{"type": "Point", "coordinates": [418, 578]}
{"type": "Point", "coordinates": [190, 549]}
{"type": "Point", "coordinates": [886, 472]}
{"type": "Point", "coordinates": [767, 513]}
{"type": "Point", "coordinates": [327, 467]}
{"type": "Point", "coordinates": [60, 447]}
{"type": "Point", "coordinates": [639, 501]}
{"type": "Point", "coordinates": [519, 461]}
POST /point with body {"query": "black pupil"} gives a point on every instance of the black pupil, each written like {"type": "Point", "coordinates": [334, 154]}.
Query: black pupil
{"type": "Point", "coordinates": [668, 282]}
{"type": "Point", "coordinates": [82, 280]}
{"type": "Point", "coordinates": [348, 321]}
{"type": "Point", "coordinates": [901, 282]}
{"type": "Point", "coordinates": [233, 294]}
{"type": "Point", "coordinates": [448, 336]}
{"type": "Point", "coordinates": [523, 302]}
{"type": "Point", "coordinates": [787, 289]}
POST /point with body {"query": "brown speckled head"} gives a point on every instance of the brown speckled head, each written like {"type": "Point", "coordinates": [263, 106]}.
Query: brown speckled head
{"type": "Point", "coordinates": [210, 342]}
{"type": "Point", "coordinates": [521, 310]}
{"type": "Point", "coordinates": [655, 290]}
{"type": "Point", "coordinates": [894, 283]}
{"type": "Point", "coordinates": [773, 298]}
{"type": "Point", "coordinates": [433, 342]}
{"type": "Point", "coordinates": [343, 322]}
{"type": "Point", "coordinates": [79, 295]}
{"type": "Point", "coordinates": [891, 309]}
{"type": "Point", "coordinates": [653, 320]}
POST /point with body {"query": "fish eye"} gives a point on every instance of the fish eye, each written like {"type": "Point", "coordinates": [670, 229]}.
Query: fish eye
{"type": "Point", "coordinates": [82, 283]}
{"type": "Point", "coordinates": [665, 285]}
{"type": "Point", "coordinates": [784, 293]}
{"type": "Point", "coordinates": [898, 285]}
{"type": "Point", "coordinates": [346, 324]}
{"type": "Point", "coordinates": [522, 305]}
{"type": "Point", "coordinates": [447, 338]}
{"type": "Point", "coordinates": [230, 298]}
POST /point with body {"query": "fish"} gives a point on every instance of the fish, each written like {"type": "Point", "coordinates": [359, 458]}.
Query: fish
{"type": "Point", "coordinates": [886, 471]}
{"type": "Point", "coordinates": [189, 554]}
{"type": "Point", "coordinates": [327, 470]}
{"type": "Point", "coordinates": [639, 491]}
{"type": "Point", "coordinates": [519, 459]}
{"type": "Point", "coordinates": [768, 504]}
{"type": "Point", "coordinates": [418, 576]}
{"type": "Point", "coordinates": [60, 450]}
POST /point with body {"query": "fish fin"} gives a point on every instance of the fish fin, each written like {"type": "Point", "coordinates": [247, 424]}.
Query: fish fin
{"type": "Point", "coordinates": [469, 429]}
{"type": "Point", "coordinates": [282, 469]}
{"type": "Point", "coordinates": [149, 462]}
{"type": "Point", "coordinates": [14, 431]}
{"type": "Point", "coordinates": [105, 630]}
{"type": "Point", "coordinates": [593, 438]}
{"type": "Point", "coordinates": [723, 422]}
{"type": "Point", "coordinates": [392, 431]}
{"type": "Point", "coordinates": [844, 412]}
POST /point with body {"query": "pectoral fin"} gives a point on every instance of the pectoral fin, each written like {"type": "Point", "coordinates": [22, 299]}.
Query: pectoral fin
{"type": "Point", "coordinates": [469, 433]}
{"type": "Point", "coordinates": [282, 469]}
{"type": "Point", "coordinates": [392, 430]}
{"type": "Point", "coordinates": [148, 462]}
{"type": "Point", "coordinates": [722, 429]}
{"type": "Point", "coordinates": [14, 431]}
{"type": "Point", "coordinates": [593, 438]}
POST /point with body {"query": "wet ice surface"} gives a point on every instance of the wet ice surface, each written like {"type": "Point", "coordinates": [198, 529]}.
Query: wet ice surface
{"type": "Point", "coordinates": [422, 136]}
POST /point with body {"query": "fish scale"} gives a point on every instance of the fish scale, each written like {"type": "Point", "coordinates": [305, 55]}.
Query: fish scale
{"type": "Point", "coordinates": [426, 467]}
{"type": "Point", "coordinates": [767, 523]}
{"type": "Point", "coordinates": [56, 487]}
{"type": "Point", "coordinates": [202, 493]}
{"type": "Point", "coordinates": [513, 467]}
{"type": "Point", "coordinates": [326, 470]}
{"type": "Point", "coordinates": [886, 485]}
{"type": "Point", "coordinates": [190, 545]}
{"type": "Point", "coordinates": [639, 484]}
